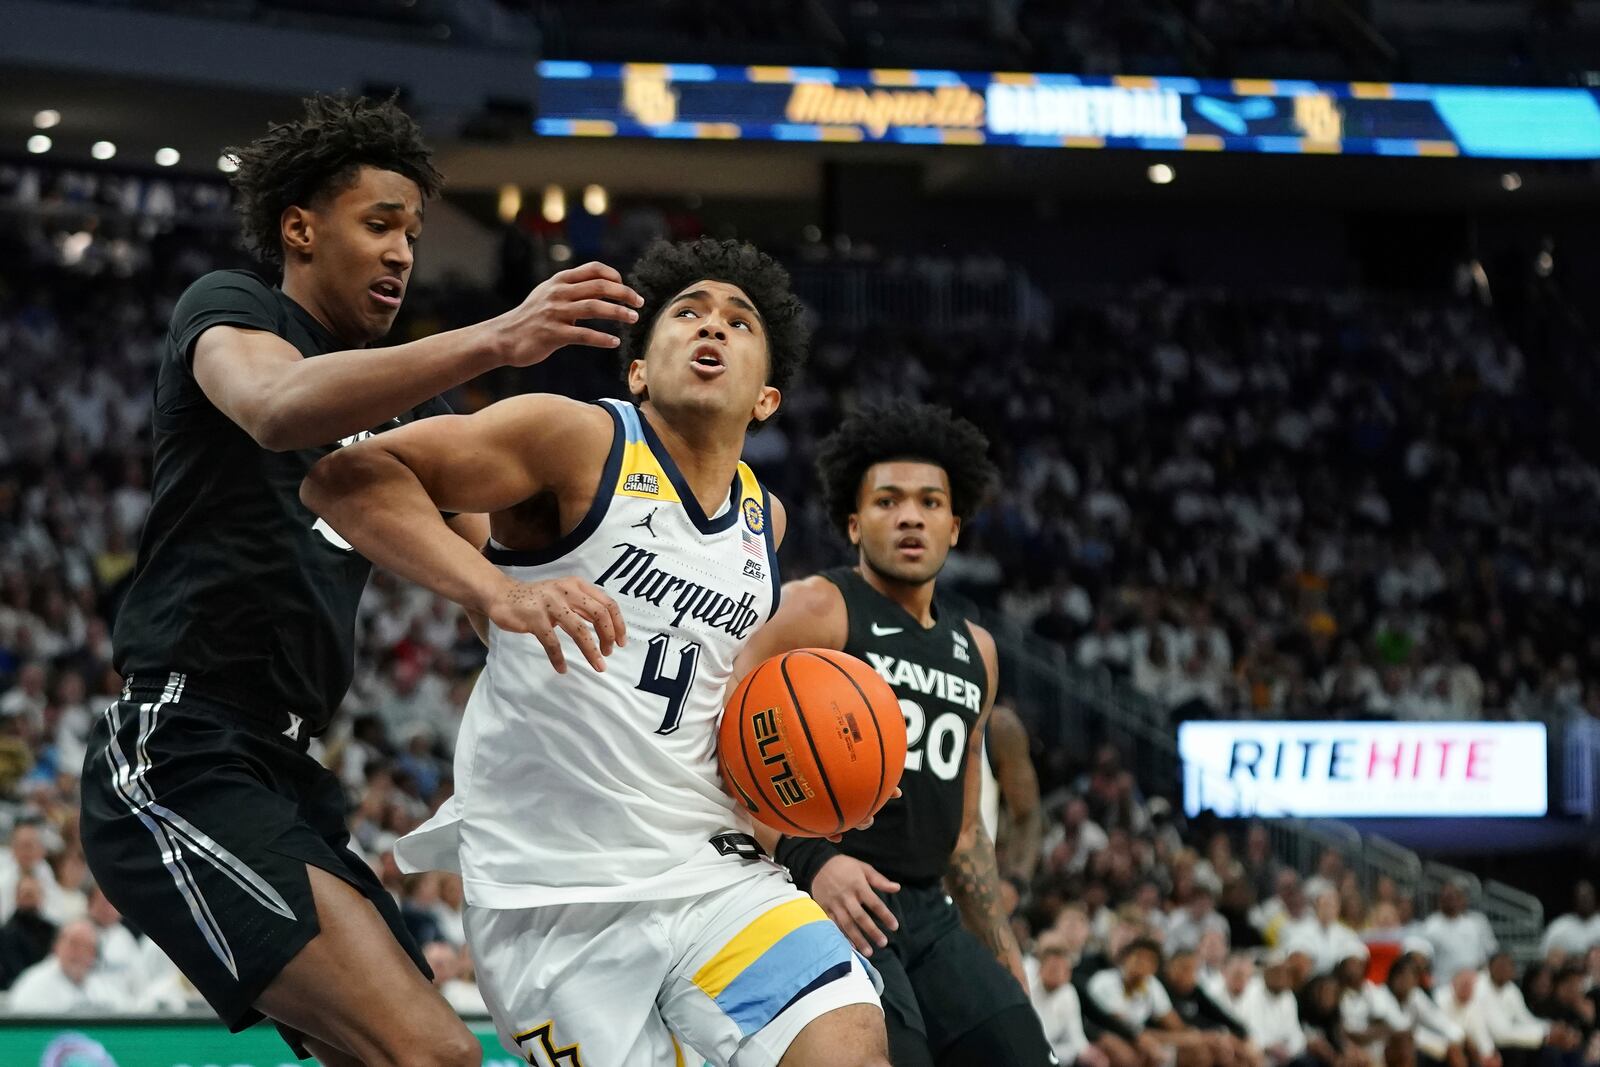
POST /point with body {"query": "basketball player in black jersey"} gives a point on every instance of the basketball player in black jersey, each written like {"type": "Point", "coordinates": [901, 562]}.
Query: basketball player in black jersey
{"type": "Point", "coordinates": [204, 819]}
{"type": "Point", "coordinates": [898, 480]}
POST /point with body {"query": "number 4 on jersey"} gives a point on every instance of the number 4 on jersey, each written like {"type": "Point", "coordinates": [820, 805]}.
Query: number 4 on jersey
{"type": "Point", "coordinates": [675, 688]}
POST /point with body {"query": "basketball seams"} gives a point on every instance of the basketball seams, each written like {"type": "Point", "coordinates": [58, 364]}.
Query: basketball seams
{"type": "Point", "coordinates": [877, 729]}
{"type": "Point", "coordinates": [822, 771]}
{"type": "Point", "coordinates": [775, 805]}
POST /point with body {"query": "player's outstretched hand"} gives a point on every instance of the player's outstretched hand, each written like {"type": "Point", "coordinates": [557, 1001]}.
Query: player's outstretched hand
{"type": "Point", "coordinates": [584, 611]}
{"type": "Point", "coordinates": [548, 318]}
{"type": "Point", "coordinates": [844, 886]}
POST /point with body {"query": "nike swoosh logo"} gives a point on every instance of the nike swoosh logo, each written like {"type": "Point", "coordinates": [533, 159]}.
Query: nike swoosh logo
{"type": "Point", "coordinates": [885, 631]}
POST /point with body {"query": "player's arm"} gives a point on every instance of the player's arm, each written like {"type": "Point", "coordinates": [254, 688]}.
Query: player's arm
{"type": "Point", "coordinates": [474, 530]}
{"type": "Point", "coordinates": [972, 876]}
{"type": "Point", "coordinates": [285, 401]}
{"type": "Point", "coordinates": [1019, 785]}
{"type": "Point", "coordinates": [384, 495]}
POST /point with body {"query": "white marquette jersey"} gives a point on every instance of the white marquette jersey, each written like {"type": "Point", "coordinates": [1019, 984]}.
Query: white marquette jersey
{"type": "Point", "coordinates": [589, 786]}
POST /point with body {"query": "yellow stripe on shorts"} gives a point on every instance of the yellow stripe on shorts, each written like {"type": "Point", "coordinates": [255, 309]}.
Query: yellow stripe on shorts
{"type": "Point", "coordinates": [749, 944]}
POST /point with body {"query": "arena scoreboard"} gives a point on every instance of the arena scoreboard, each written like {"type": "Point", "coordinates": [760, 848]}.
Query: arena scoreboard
{"type": "Point", "coordinates": [940, 107]}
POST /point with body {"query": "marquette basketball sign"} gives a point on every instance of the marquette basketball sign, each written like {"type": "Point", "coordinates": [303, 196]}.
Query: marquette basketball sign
{"type": "Point", "coordinates": [1348, 769]}
{"type": "Point", "coordinates": [943, 107]}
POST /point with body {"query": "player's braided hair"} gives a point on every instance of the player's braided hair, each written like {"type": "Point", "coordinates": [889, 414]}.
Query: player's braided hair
{"type": "Point", "coordinates": [666, 269]}
{"type": "Point", "coordinates": [909, 431]}
{"type": "Point", "coordinates": [321, 152]}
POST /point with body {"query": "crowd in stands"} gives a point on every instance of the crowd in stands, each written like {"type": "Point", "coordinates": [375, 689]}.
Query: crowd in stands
{"type": "Point", "coordinates": [1280, 505]}
{"type": "Point", "coordinates": [1146, 947]}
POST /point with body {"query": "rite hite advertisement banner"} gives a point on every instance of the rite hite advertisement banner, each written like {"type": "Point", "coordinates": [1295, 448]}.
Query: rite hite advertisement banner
{"type": "Point", "coordinates": [1353, 769]}
{"type": "Point", "coordinates": [701, 102]}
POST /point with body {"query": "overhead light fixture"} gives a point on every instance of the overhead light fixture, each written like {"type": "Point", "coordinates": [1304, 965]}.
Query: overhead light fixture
{"type": "Point", "coordinates": [510, 205]}
{"type": "Point", "coordinates": [47, 119]}
{"type": "Point", "coordinates": [167, 157]}
{"type": "Point", "coordinates": [594, 199]}
{"type": "Point", "coordinates": [1160, 174]}
{"type": "Point", "coordinates": [554, 205]}
{"type": "Point", "coordinates": [39, 144]}
{"type": "Point", "coordinates": [1511, 181]}
{"type": "Point", "coordinates": [227, 164]}
{"type": "Point", "coordinates": [103, 150]}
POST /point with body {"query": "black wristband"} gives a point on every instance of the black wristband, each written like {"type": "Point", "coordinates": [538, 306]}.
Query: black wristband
{"type": "Point", "coordinates": [804, 856]}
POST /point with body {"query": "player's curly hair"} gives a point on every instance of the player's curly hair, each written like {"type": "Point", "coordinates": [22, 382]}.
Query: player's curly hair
{"type": "Point", "coordinates": [904, 430]}
{"type": "Point", "coordinates": [297, 161]}
{"type": "Point", "coordinates": [666, 269]}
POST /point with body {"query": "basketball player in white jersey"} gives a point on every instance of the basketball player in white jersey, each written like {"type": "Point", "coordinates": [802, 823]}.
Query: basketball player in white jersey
{"type": "Point", "coordinates": [618, 909]}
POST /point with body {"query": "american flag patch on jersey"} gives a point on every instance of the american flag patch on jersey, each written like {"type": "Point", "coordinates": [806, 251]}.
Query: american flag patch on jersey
{"type": "Point", "coordinates": [754, 544]}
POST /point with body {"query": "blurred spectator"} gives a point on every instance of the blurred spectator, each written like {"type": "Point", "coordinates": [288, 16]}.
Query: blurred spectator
{"type": "Point", "coordinates": [27, 935]}
{"type": "Point", "coordinates": [1224, 1036]}
{"type": "Point", "coordinates": [1511, 1024]}
{"type": "Point", "coordinates": [26, 858]}
{"type": "Point", "coordinates": [120, 958]}
{"type": "Point", "coordinates": [1188, 924]}
{"type": "Point", "coordinates": [1324, 938]}
{"type": "Point", "coordinates": [1573, 934]}
{"type": "Point", "coordinates": [1130, 994]}
{"type": "Point", "coordinates": [1056, 1000]}
{"type": "Point", "coordinates": [1463, 1003]}
{"type": "Point", "coordinates": [446, 961]}
{"type": "Point", "coordinates": [1461, 939]}
{"type": "Point", "coordinates": [66, 983]}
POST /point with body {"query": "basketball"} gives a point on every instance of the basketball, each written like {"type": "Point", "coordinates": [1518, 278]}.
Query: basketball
{"type": "Point", "coordinates": [812, 742]}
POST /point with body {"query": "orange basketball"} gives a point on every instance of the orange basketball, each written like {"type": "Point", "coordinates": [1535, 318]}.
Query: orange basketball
{"type": "Point", "coordinates": [812, 742]}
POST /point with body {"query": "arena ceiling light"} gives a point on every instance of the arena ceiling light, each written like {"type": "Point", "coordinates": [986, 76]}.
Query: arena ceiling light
{"type": "Point", "coordinates": [1511, 181]}
{"type": "Point", "coordinates": [167, 157]}
{"type": "Point", "coordinates": [227, 164]}
{"type": "Point", "coordinates": [47, 119]}
{"type": "Point", "coordinates": [595, 200]}
{"type": "Point", "coordinates": [103, 150]}
{"type": "Point", "coordinates": [1160, 174]}
{"type": "Point", "coordinates": [509, 205]}
{"type": "Point", "coordinates": [39, 144]}
{"type": "Point", "coordinates": [554, 205]}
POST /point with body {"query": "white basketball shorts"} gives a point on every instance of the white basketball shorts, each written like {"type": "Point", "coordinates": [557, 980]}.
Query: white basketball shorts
{"type": "Point", "coordinates": [731, 976]}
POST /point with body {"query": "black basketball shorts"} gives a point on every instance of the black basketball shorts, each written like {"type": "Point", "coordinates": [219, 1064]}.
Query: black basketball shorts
{"type": "Point", "coordinates": [940, 984]}
{"type": "Point", "coordinates": [198, 823]}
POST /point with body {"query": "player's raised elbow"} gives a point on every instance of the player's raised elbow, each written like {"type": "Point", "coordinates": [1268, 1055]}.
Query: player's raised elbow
{"type": "Point", "coordinates": [340, 476]}
{"type": "Point", "coordinates": [276, 432]}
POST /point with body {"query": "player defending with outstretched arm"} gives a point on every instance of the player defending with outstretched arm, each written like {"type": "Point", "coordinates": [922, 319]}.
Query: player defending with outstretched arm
{"type": "Point", "coordinates": [204, 820]}
{"type": "Point", "coordinates": [616, 900]}
{"type": "Point", "coordinates": [898, 480]}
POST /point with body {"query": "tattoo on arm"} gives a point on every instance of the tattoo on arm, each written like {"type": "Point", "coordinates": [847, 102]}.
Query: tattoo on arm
{"type": "Point", "coordinates": [974, 882]}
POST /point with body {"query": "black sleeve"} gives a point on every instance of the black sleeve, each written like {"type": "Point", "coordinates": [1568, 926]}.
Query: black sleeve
{"type": "Point", "coordinates": [221, 298]}
{"type": "Point", "coordinates": [1218, 1017]}
{"type": "Point", "coordinates": [804, 856]}
{"type": "Point", "coordinates": [1092, 1012]}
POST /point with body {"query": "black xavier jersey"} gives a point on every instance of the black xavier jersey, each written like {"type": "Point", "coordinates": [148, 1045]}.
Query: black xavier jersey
{"type": "Point", "coordinates": [237, 584]}
{"type": "Point", "coordinates": [939, 677]}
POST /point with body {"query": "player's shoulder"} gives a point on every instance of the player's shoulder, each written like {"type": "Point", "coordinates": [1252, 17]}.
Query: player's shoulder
{"type": "Point", "coordinates": [984, 640]}
{"type": "Point", "coordinates": [815, 596]}
{"type": "Point", "coordinates": [812, 613]}
{"type": "Point", "coordinates": [227, 286]}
